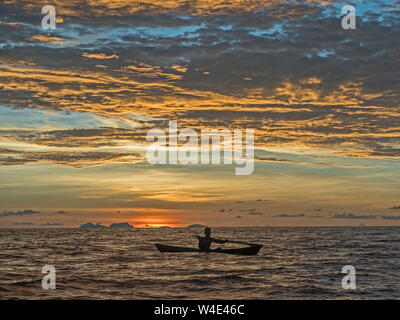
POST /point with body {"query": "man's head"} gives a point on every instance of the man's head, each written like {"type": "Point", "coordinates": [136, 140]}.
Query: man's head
{"type": "Point", "coordinates": [207, 231]}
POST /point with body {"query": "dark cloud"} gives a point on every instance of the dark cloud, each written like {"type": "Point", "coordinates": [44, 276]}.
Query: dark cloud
{"type": "Point", "coordinates": [395, 208]}
{"type": "Point", "coordinates": [79, 137]}
{"type": "Point", "coordinates": [18, 213]}
{"type": "Point", "coordinates": [273, 159]}
{"type": "Point", "coordinates": [390, 217]}
{"type": "Point", "coordinates": [284, 215]}
{"type": "Point", "coordinates": [345, 215]}
{"type": "Point", "coordinates": [23, 223]}
{"type": "Point", "coordinates": [256, 213]}
{"type": "Point", "coordinates": [252, 212]}
{"type": "Point", "coordinates": [297, 77]}
{"type": "Point", "coordinates": [50, 224]}
{"type": "Point", "coordinates": [70, 158]}
{"type": "Point", "coordinates": [239, 217]}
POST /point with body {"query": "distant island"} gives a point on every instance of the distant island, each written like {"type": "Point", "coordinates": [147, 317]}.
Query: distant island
{"type": "Point", "coordinates": [121, 225]}
{"type": "Point", "coordinates": [90, 225]}
{"type": "Point", "coordinates": [196, 225]}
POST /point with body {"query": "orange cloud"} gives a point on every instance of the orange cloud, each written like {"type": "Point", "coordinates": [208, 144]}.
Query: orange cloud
{"type": "Point", "coordinates": [100, 56]}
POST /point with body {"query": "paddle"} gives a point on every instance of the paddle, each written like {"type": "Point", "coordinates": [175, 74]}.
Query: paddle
{"type": "Point", "coordinates": [245, 243]}
{"type": "Point", "coordinates": [239, 242]}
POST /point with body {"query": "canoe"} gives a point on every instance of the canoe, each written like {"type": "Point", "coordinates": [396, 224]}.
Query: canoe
{"type": "Point", "coordinates": [246, 251]}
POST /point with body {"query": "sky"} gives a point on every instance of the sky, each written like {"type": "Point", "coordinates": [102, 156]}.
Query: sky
{"type": "Point", "coordinates": [77, 102]}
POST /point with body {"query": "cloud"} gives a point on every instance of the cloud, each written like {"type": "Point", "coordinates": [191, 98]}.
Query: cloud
{"type": "Point", "coordinates": [390, 217]}
{"type": "Point", "coordinates": [76, 159]}
{"type": "Point", "coordinates": [303, 89]}
{"type": "Point", "coordinates": [52, 224]}
{"type": "Point", "coordinates": [145, 62]}
{"type": "Point", "coordinates": [395, 208]}
{"type": "Point", "coordinates": [43, 38]}
{"type": "Point", "coordinates": [256, 213]}
{"type": "Point", "coordinates": [272, 159]}
{"type": "Point", "coordinates": [89, 138]}
{"type": "Point", "coordinates": [61, 212]}
{"type": "Point", "coordinates": [284, 215]}
{"type": "Point", "coordinates": [18, 213]}
{"type": "Point", "coordinates": [252, 211]}
{"type": "Point", "coordinates": [238, 217]}
{"type": "Point", "coordinates": [345, 215]}
{"type": "Point", "coordinates": [100, 56]}
{"type": "Point", "coordinates": [23, 223]}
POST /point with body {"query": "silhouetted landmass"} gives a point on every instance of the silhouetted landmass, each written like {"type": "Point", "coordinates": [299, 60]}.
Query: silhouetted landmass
{"type": "Point", "coordinates": [121, 225]}
{"type": "Point", "coordinates": [90, 225]}
{"type": "Point", "coordinates": [196, 225]}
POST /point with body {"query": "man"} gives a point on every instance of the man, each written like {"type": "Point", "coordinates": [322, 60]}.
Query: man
{"type": "Point", "coordinates": [205, 242]}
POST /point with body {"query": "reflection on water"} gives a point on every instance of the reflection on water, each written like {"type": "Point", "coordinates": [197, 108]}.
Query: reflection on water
{"type": "Point", "coordinates": [295, 263]}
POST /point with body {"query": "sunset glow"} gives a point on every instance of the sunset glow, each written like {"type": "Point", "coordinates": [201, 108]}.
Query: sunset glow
{"type": "Point", "coordinates": [76, 109]}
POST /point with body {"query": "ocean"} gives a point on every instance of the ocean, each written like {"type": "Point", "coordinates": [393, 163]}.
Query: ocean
{"type": "Point", "coordinates": [295, 263]}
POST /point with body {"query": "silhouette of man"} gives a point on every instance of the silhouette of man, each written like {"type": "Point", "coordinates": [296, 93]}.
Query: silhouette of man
{"type": "Point", "coordinates": [205, 242]}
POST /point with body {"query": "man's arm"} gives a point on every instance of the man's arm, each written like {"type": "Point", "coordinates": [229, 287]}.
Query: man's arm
{"type": "Point", "coordinates": [219, 240]}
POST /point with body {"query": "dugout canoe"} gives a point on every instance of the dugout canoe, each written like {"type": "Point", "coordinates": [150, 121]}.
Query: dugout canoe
{"type": "Point", "coordinates": [246, 251]}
